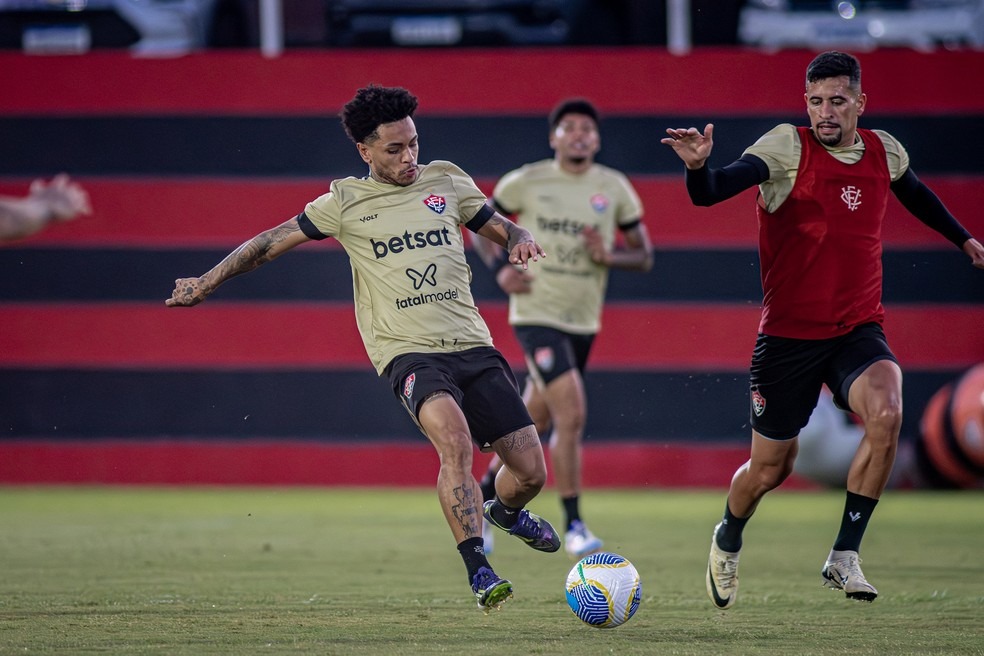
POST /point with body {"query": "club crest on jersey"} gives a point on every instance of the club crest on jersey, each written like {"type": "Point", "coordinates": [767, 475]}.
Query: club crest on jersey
{"type": "Point", "coordinates": [544, 358]}
{"type": "Point", "coordinates": [851, 196]}
{"type": "Point", "coordinates": [436, 203]}
{"type": "Point", "coordinates": [599, 202]}
{"type": "Point", "coordinates": [758, 403]}
{"type": "Point", "coordinates": [408, 385]}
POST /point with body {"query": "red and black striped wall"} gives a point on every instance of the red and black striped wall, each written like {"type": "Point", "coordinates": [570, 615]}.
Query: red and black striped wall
{"type": "Point", "coordinates": [268, 382]}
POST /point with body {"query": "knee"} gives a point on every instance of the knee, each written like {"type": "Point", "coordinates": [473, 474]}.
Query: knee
{"type": "Point", "coordinates": [531, 479]}
{"type": "Point", "coordinates": [882, 425]}
{"type": "Point", "coordinates": [768, 476]}
{"type": "Point", "coordinates": [455, 450]}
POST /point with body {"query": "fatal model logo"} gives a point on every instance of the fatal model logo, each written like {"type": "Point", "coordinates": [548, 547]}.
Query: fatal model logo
{"type": "Point", "coordinates": [436, 203]}
{"type": "Point", "coordinates": [428, 276]}
{"type": "Point", "coordinates": [408, 385]}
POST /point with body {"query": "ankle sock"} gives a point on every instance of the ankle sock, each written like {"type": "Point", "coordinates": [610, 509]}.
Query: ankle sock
{"type": "Point", "coordinates": [571, 510]}
{"type": "Point", "coordinates": [473, 553]}
{"type": "Point", "coordinates": [505, 516]}
{"type": "Point", "coordinates": [728, 536]}
{"type": "Point", "coordinates": [857, 512]}
{"type": "Point", "coordinates": [488, 485]}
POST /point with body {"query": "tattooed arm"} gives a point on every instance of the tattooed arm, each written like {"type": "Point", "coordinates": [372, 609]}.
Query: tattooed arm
{"type": "Point", "coordinates": [261, 249]}
{"type": "Point", "coordinates": [515, 239]}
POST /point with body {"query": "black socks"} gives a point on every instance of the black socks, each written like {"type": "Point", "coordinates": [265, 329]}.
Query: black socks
{"type": "Point", "coordinates": [728, 536]}
{"type": "Point", "coordinates": [857, 512]}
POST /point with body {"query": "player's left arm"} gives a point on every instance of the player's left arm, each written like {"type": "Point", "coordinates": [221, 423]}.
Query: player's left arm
{"type": "Point", "coordinates": [635, 255]}
{"type": "Point", "coordinates": [926, 206]}
{"type": "Point", "coordinates": [517, 241]}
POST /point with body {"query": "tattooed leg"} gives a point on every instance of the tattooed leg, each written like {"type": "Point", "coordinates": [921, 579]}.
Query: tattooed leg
{"type": "Point", "coordinates": [524, 472]}
{"type": "Point", "coordinates": [445, 426]}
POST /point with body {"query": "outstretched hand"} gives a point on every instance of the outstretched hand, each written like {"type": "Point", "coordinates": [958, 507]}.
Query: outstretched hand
{"type": "Point", "coordinates": [187, 292]}
{"type": "Point", "coordinates": [63, 198]}
{"type": "Point", "coordinates": [524, 251]}
{"type": "Point", "coordinates": [975, 251]}
{"type": "Point", "coordinates": [690, 145]}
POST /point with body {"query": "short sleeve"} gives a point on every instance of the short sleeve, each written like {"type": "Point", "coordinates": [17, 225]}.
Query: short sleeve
{"type": "Point", "coordinates": [508, 192]}
{"type": "Point", "coordinates": [470, 197]}
{"type": "Point", "coordinates": [324, 213]}
{"type": "Point", "coordinates": [780, 149]}
{"type": "Point", "coordinates": [898, 158]}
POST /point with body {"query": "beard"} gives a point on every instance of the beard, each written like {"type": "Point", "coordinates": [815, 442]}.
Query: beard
{"type": "Point", "coordinates": [829, 139]}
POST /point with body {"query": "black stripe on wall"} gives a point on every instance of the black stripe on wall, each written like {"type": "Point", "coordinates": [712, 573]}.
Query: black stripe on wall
{"type": "Point", "coordinates": [482, 146]}
{"type": "Point", "coordinates": [911, 276]}
{"type": "Point", "coordinates": [70, 404]}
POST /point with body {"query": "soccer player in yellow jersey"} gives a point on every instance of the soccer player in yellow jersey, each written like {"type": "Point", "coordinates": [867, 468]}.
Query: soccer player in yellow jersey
{"type": "Point", "coordinates": [401, 228]}
{"type": "Point", "coordinates": [574, 206]}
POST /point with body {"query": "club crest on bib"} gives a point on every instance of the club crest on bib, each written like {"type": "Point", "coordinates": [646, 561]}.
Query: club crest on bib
{"type": "Point", "coordinates": [436, 203]}
{"type": "Point", "coordinates": [758, 403]}
{"type": "Point", "coordinates": [851, 196]}
{"type": "Point", "coordinates": [599, 202]}
{"type": "Point", "coordinates": [408, 385]}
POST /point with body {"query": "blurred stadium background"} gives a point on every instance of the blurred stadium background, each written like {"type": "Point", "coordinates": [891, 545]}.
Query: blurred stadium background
{"type": "Point", "coordinates": [197, 126]}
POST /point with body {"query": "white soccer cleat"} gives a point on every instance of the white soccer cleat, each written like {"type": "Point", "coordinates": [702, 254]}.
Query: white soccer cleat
{"type": "Point", "coordinates": [842, 571]}
{"type": "Point", "coordinates": [722, 575]}
{"type": "Point", "coordinates": [579, 541]}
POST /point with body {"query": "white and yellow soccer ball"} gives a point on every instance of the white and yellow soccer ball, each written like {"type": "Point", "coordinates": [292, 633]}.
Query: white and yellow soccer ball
{"type": "Point", "coordinates": [604, 590]}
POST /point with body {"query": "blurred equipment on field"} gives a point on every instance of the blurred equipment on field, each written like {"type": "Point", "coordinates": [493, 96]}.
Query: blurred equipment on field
{"type": "Point", "coordinates": [146, 27]}
{"type": "Point", "coordinates": [862, 24]}
{"type": "Point", "coordinates": [950, 451]}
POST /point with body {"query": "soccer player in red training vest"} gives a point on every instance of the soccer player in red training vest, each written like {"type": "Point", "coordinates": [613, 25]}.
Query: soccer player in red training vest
{"type": "Point", "coordinates": [823, 194]}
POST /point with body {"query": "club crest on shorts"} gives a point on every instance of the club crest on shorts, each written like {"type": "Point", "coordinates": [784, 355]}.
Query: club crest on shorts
{"type": "Point", "coordinates": [758, 403]}
{"type": "Point", "coordinates": [436, 203]}
{"type": "Point", "coordinates": [544, 358]}
{"type": "Point", "coordinates": [408, 385]}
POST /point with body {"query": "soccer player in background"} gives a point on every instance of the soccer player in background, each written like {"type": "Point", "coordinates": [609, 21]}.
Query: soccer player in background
{"type": "Point", "coordinates": [400, 226]}
{"type": "Point", "coordinates": [574, 206]}
{"type": "Point", "coordinates": [61, 199]}
{"type": "Point", "coordinates": [823, 192]}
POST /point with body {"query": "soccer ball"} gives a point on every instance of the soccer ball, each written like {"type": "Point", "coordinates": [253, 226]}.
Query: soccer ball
{"type": "Point", "coordinates": [604, 590]}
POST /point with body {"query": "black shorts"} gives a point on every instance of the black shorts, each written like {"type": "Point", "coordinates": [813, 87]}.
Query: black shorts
{"type": "Point", "coordinates": [551, 352]}
{"type": "Point", "coordinates": [479, 380]}
{"type": "Point", "coordinates": [787, 374]}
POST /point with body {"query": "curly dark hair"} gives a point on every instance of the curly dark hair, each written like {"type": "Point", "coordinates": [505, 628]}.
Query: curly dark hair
{"type": "Point", "coordinates": [572, 106]}
{"type": "Point", "coordinates": [371, 107]}
{"type": "Point", "coordinates": [834, 64]}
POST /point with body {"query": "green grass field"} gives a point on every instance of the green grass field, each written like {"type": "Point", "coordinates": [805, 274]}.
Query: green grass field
{"type": "Point", "coordinates": [340, 571]}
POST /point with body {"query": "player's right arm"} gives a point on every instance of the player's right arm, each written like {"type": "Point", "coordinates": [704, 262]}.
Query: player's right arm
{"type": "Point", "coordinates": [259, 250]}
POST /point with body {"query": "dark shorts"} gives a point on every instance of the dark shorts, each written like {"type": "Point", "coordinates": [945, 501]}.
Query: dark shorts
{"type": "Point", "coordinates": [787, 374]}
{"type": "Point", "coordinates": [551, 352]}
{"type": "Point", "coordinates": [479, 380]}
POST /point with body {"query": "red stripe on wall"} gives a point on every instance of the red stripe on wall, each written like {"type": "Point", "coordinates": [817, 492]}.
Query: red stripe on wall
{"type": "Point", "coordinates": [265, 335]}
{"type": "Point", "coordinates": [623, 80]}
{"type": "Point", "coordinates": [223, 212]}
{"type": "Point", "coordinates": [311, 463]}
